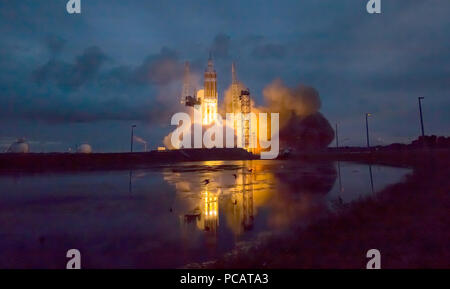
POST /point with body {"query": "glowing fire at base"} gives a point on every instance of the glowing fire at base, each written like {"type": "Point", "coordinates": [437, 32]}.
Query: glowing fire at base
{"type": "Point", "coordinates": [209, 111]}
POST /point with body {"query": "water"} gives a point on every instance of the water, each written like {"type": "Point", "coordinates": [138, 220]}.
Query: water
{"type": "Point", "coordinates": [169, 216]}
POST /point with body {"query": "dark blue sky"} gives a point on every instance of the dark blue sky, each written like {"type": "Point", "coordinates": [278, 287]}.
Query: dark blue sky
{"type": "Point", "coordinates": [67, 79]}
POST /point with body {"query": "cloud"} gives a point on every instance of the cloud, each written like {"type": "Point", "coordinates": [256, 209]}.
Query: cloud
{"type": "Point", "coordinates": [252, 39]}
{"type": "Point", "coordinates": [86, 90]}
{"type": "Point", "coordinates": [71, 75]}
{"type": "Point", "coordinates": [355, 60]}
{"type": "Point", "coordinates": [159, 69]}
{"type": "Point", "coordinates": [220, 47]}
{"type": "Point", "coordinates": [55, 44]}
{"type": "Point", "coordinates": [114, 109]}
{"type": "Point", "coordinates": [271, 51]}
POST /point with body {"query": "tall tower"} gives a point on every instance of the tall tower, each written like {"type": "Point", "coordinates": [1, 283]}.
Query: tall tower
{"type": "Point", "coordinates": [246, 109]}
{"type": "Point", "coordinates": [209, 102]}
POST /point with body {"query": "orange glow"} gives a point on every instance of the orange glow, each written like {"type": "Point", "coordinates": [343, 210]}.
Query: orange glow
{"type": "Point", "coordinates": [209, 111]}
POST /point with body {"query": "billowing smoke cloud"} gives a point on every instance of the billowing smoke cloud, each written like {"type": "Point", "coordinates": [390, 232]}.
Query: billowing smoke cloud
{"type": "Point", "coordinates": [226, 105]}
{"type": "Point", "coordinates": [167, 142]}
{"type": "Point", "coordinates": [300, 101]}
{"type": "Point", "coordinates": [309, 132]}
{"type": "Point", "coordinates": [302, 126]}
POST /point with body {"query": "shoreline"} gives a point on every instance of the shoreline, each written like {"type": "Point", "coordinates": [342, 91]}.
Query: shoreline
{"type": "Point", "coordinates": [44, 162]}
{"type": "Point", "coordinates": [407, 222]}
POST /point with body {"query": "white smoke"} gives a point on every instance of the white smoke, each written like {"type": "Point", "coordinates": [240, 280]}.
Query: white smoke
{"type": "Point", "coordinates": [141, 140]}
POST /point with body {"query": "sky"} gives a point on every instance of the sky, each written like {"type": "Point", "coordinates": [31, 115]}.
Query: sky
{"type": "Point", "coordinates": [67, 79]}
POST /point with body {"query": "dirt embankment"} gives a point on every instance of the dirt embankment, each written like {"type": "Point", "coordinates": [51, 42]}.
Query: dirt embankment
{"type": "Point", "coordinates": [407, 222]}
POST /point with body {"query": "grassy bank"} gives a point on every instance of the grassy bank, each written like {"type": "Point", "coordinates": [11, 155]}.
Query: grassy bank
{"type": "Point", "coordinates": [408, 222]}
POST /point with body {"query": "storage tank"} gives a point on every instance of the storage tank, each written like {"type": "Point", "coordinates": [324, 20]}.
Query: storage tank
{"type": "Point", "coordinates": [19, 146]}
{"type": "Point", "coordinates": [84, 149]}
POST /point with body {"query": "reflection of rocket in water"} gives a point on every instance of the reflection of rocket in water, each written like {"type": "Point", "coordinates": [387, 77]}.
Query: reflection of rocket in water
{"type": "Point", "coordinates": [242, 202]}
{"type": "Point", "coordinates": [238, 190]}
{"type": "Point", "coordinates": [247, 208]}
{"type": "Point", "coordinates": [210, 216]}
{"type": "Point", "coordinates": [206, 214]}
{"type": "Point", "coordinates": [130, 185]}
{"type": "Point", "coordinates": [247, 201]}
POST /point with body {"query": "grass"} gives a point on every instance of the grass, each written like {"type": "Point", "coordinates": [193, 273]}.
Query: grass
{"type": "Point", "coordinates": [407, 222]}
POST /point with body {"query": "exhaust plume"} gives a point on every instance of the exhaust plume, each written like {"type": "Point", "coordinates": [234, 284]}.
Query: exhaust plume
{"type": "Point", "coordinates": [302, 126]}
{"type": "Point", "coordinates": [141, 140]}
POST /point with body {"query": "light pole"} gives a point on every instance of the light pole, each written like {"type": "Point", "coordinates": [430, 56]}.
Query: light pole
{"type": "Point", "coordinates": [367, 128]}
{"type": "Point", "coordinates": [420, 111]}
{"type": "Point", "coordinates": [132, 137]}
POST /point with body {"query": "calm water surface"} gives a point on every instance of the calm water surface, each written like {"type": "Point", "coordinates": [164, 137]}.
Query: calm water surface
{"type": "Point", "coordinates": [169, 216]}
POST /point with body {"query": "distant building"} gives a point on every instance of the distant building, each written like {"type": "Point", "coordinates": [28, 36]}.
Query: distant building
{"type": "Point", "coordinates": [84, 149]}
{"type": "Point", "coordinates": [19, 146]}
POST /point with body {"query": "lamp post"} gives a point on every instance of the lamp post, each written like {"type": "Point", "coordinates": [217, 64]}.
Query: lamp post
{"type": "Point", "coordinates": [132, 137]}
{"type": "Point", "coordinates": [421, 117]}
{"type": "Point", "coordinates": [367, 129]}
